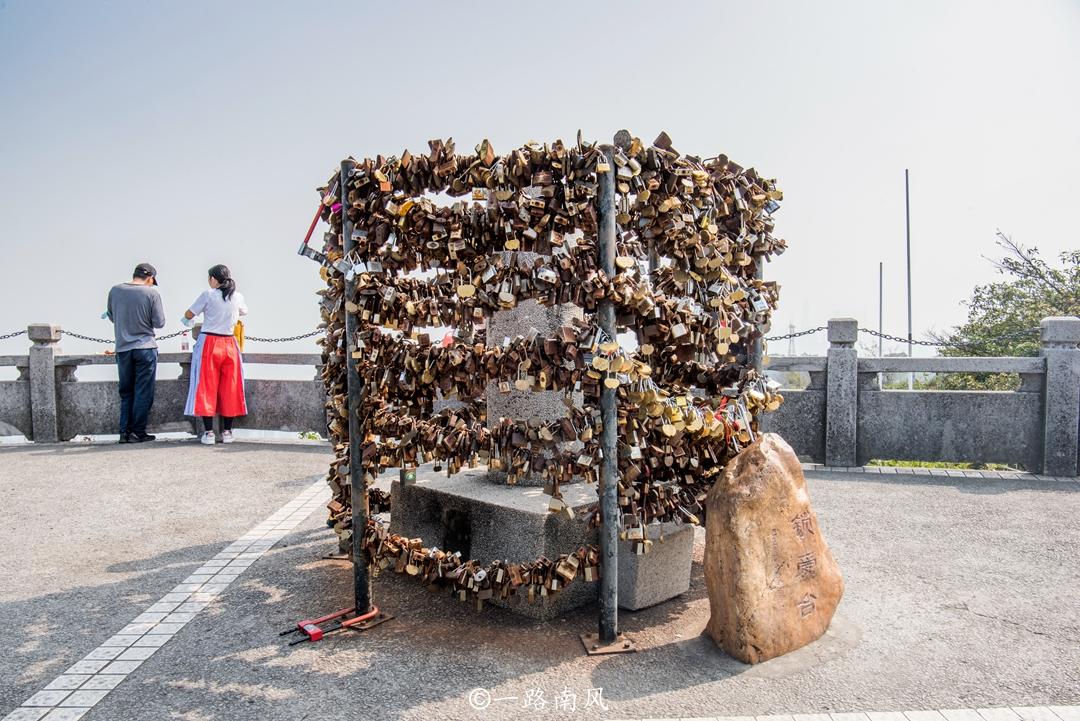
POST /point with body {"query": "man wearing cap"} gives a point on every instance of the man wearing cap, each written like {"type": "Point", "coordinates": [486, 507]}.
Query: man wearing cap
{"type": "Point", "coordinates": [135, 310]}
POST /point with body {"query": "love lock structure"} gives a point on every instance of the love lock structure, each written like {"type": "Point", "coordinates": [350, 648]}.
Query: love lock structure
{"type": "Point", "coordinates": [606, 305]}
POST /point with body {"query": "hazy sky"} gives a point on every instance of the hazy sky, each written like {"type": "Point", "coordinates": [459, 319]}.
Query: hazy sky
{"type": "Point", "coordinates": [193, 133]}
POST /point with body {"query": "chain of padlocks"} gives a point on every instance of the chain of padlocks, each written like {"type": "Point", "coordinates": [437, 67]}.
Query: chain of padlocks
{"type": "Point", "coordinates": [687, 397]}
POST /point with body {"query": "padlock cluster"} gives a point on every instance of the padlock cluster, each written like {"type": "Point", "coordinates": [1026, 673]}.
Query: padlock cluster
{"type": "Point", "coordinates": [469, 580]}
{"type": "Point", "coordinates": [691, 236]}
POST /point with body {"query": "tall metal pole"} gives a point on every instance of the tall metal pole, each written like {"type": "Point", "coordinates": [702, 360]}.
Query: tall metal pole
{"type": "Point", "coordinates": [880, 317]}
{"type": "Point", "coordinates": [357, 490]}
{"type": "Point", "coordinates": [907, 226]}
{"type": "Point", "coordinates": [609, 470]}
{"type": "Point", "coordinates": [880, 306]}
{"type": "Point", "coordinates": [757, 345]}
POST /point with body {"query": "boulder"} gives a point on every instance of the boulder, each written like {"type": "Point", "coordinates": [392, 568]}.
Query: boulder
{"type": "Point", "coordinates": [773, 584]}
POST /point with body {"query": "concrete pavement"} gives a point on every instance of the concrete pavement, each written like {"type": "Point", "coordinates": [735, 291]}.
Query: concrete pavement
{"type": "Point", "coordinates": [961, 593]}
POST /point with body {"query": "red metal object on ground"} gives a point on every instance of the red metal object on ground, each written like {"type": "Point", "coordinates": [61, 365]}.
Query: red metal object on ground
{"type": "Point", "coordinates": [312, 629]}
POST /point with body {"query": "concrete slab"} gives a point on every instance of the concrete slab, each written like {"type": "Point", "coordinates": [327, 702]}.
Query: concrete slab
{"type": "Point", "coordinates": [959, 595]}
{"type": "Point", "coordinates": [489, 521]}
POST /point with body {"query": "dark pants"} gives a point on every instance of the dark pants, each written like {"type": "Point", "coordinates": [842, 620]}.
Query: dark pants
{"type": "Point", "coordinates": [137, 369]}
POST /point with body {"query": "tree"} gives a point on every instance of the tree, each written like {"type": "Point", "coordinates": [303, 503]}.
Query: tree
{"type": "Point", "coordinates": [1002, 316]}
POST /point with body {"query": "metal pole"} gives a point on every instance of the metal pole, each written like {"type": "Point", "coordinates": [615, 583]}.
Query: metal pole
{"type": "Point", "coordinates": [907, 226]}
{"type": "Point", "coordinates": [757, 345]}
{"type": "Point", "coordinates": [357, 489]}
{"type": "Point", "coordinates": [609, 470]}
{"type": "Point", "coordinates": [880, 318]}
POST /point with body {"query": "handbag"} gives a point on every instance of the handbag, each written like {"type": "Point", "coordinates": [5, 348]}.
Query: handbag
{"type": "Point", "coordinates": [238, 333]}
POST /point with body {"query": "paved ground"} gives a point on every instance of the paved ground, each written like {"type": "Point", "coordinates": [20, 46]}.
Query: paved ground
{"type": "Point", "coordinates": [960, 593]}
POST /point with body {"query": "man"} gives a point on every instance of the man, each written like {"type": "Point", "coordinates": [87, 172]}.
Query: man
{"type": "Point", "coordinates": [135, 310]}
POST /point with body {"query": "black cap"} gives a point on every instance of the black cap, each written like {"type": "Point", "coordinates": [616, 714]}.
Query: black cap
{"type": "Point", "coordinates": [145, 270]}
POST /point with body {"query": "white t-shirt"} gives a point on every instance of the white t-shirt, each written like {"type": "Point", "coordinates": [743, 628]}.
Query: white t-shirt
{"type": "Point", "coordinates": [219, 315]}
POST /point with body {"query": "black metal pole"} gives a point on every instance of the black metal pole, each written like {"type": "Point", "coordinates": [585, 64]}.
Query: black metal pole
{"type": "Point", "coordinates": [757, 345]}
{"type": "Point", "coordinates": [357, 490]}
{"type": "Point", "coordinates": [609, 470]}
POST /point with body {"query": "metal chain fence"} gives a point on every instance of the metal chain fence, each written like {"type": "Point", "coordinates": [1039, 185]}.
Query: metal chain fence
{"type": "Point", "coordinates": [959, 344]}
{"type": "Point", "coordinates": [810, 331]}
{"type": "Point", "coordinates": [285, 339]}
{"type": "Point", "coordinates": [953, 344]}
{"type": "Point", "coordinates": [167, 336]}
{"type": "Point", "coordinates": [800, 334]}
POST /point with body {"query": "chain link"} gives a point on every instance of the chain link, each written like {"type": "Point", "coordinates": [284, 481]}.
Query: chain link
{"type": "Point", "coordinates": [286, 339]}
{"type": "Point", "coordinates": [926, 343]}
{"type": "Point", "coordinates": [110, 341]}
{"type": "Point", "coordinates": [952, 344]}
{"type": "Point", "coordinates": [800, 334]}
{"type": "Point", "coordinates": [14, 334]}
{"type": "Point", "coordinates": [167, 336]}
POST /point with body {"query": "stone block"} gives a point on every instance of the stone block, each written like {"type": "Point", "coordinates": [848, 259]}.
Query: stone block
{"type": "Point", "coordinates": [487, 521]}
{"type": "Point", "coordinates": [659, 575]}
{"type": "Point", "coordinates": [43, 333]}
{"type": "Point", "coordinates": [841, 407]}
{"type": "Point", "coordinates": [1061, 432]}
{"type": "Point", "coordinates": [1060, 330]}
{"type": "Point", "coordinates": [843, 331]}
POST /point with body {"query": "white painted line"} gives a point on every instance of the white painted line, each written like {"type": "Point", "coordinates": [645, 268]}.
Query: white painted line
{"type": "Point", "coordinates": [73, 693]}
{"type": "Point", "coordinates": [1023, 713]}
{"type": "Point", "coordinates": [1067, 713]}
{"type": "Point", "coordinates": [924, 716]}
{"type": "Point", "coordinates": [998, 714]}
{"type": "Point", "coordinates": [66, 681]}
{"type": "Point", "coordinates": [1035, 713]}
{"type": "Point", "coordinates": [26, 714]}
{"type": "Point", "coordinates": [65, 714]}
{"type": "Point", "coordinates": [961, 714]}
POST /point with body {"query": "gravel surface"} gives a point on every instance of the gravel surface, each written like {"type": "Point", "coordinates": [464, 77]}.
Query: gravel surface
{"type": "Point", "coordinates": [960, 593]}
{"type": "Point", "coordinates": [90, 535]}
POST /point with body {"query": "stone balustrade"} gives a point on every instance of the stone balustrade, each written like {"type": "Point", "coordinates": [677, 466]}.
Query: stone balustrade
{"type": "Point", "coordinates": [842, 418]}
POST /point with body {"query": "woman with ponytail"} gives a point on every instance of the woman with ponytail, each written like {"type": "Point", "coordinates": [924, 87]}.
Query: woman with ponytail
{"type": "Point", "coordinates": [217, 376]}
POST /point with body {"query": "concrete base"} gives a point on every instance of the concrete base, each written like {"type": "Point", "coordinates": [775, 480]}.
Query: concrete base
{"type": "Point", "coordinates": [660, 574]}
{"type": "Point", "coordinates": [487, 521]}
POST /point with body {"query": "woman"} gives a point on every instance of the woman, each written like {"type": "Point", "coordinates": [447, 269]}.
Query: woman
{"type": "Point", "coordinates": [217, 376]}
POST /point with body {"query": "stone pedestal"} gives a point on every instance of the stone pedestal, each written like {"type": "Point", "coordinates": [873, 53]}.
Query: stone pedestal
{"type": "Point", "coordinates": [488, 521]}
{"type": "Point", "coordinates": [662, 573]}
{"type": "Point", "coordinates": [43, 395]}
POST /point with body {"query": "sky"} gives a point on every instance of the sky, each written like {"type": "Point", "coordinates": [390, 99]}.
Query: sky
{"type": "Point", "coordinates": [192, 133]}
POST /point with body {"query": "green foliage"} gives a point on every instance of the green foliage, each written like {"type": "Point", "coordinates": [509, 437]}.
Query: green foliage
{"type": "Point", "coordinates": [309, 436]}
{"type": "Point", "coordinates": [1034, 290]}
{"type": "Point", "coordinates": [941, 464]}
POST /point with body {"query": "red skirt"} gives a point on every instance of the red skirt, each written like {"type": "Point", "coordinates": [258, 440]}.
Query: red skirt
{"type": "Point", "coordinates": [219, 381]}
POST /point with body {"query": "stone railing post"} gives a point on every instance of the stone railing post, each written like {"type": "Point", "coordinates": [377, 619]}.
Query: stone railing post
{"type": "Point", "coordinates": [841, 392]}
{"type": "Point", "coordinates": [43, 402]}
{"type": "Point", "coordinates": [1060, 337]}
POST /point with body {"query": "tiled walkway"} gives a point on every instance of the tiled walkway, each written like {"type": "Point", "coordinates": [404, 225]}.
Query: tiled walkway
{"type": "Point", "coordinates": [73, 693]}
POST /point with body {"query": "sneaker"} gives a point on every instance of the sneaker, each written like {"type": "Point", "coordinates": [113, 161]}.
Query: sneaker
{"type": "Point", "coordinates": [125, 438]}
{"type": "Point", "coordinates": [226, 437]}
{"type": "Point", "coordinates": [135, 438]}
{"type": "Point", "coordinates": [207, 438]}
